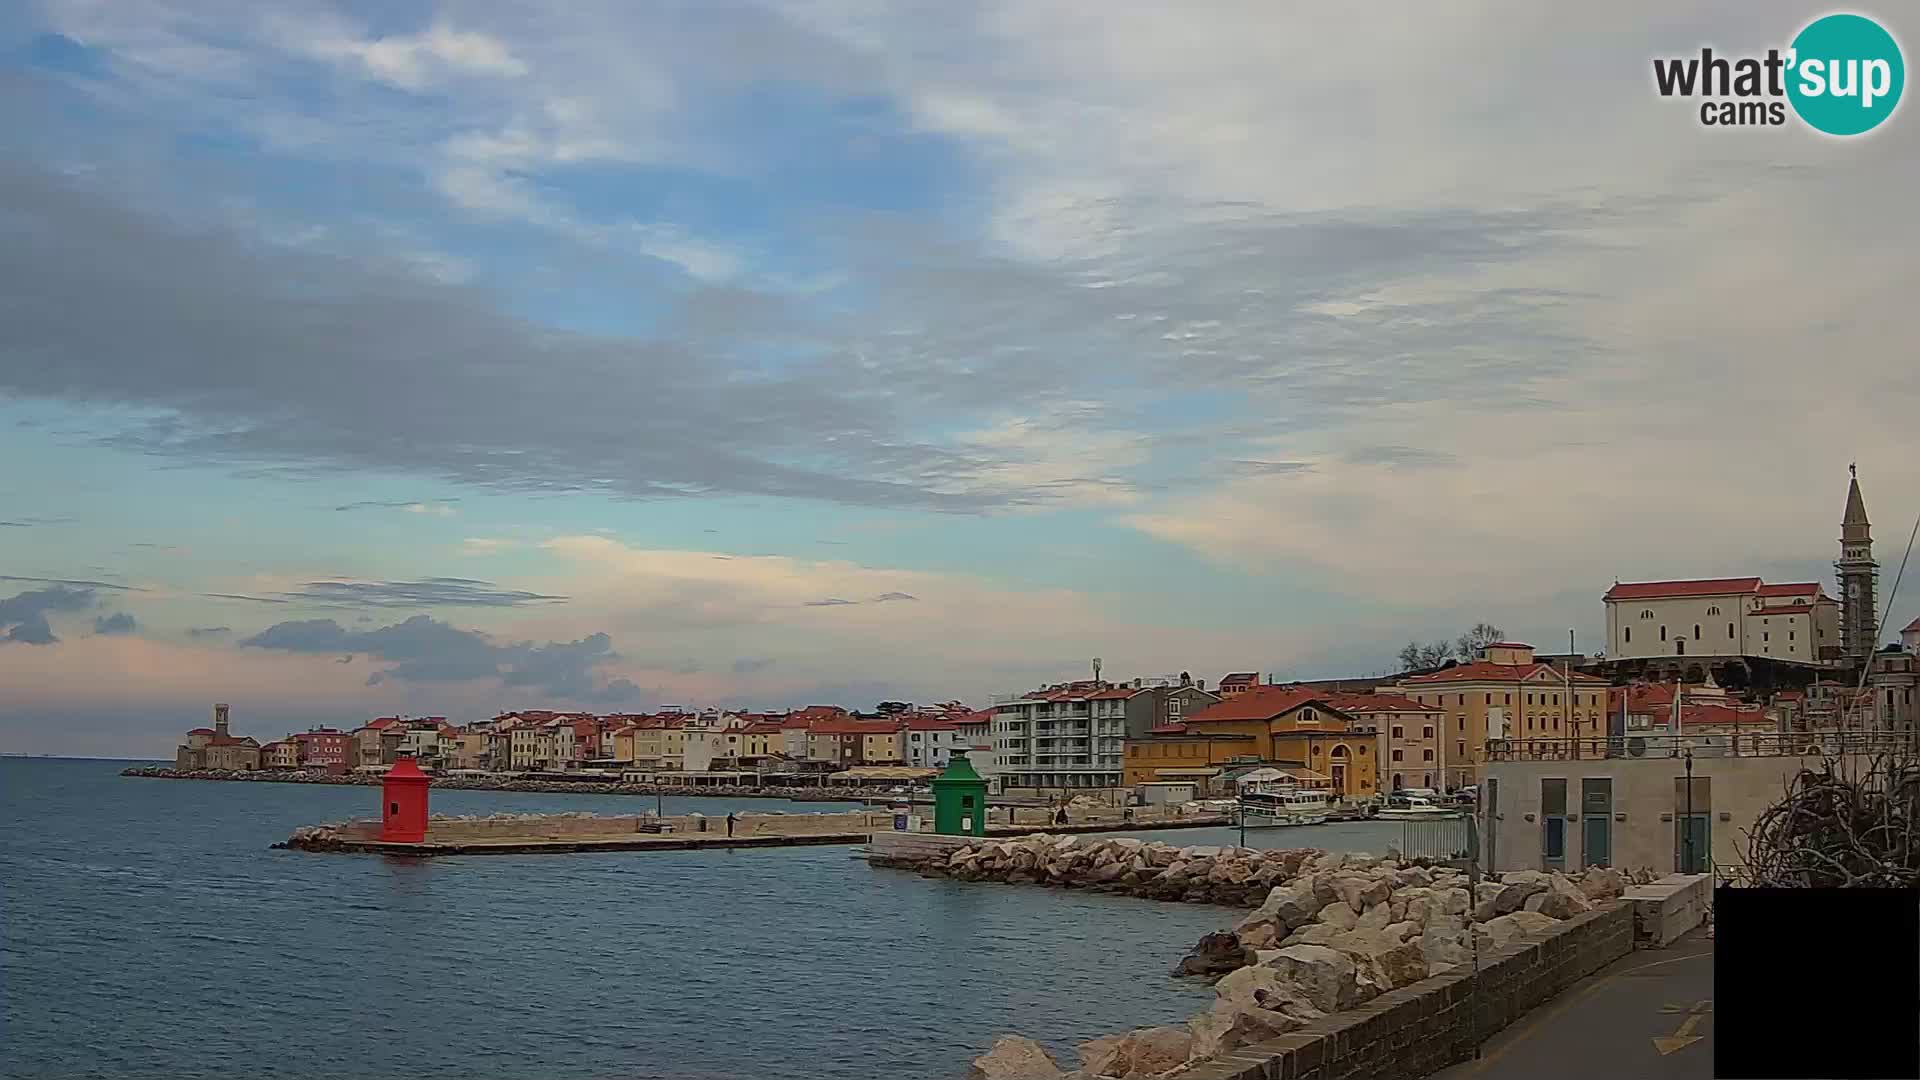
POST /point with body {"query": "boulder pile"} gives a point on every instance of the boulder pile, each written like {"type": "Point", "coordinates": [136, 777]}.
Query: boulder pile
{"type": "Point", "coordinates": [1331, 932]}
{"type": "Point", "coordinates": [1234, 876]}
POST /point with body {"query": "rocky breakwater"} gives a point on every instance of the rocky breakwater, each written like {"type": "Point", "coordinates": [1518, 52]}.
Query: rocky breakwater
{"type": "Point", "coordinates": [1337, 931]}
{"type": "Point", "coordinates": [1233, 876]}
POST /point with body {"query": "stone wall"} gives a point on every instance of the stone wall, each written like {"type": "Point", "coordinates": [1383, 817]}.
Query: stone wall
{"type": "Point", "coordinates": [1436, 1022]}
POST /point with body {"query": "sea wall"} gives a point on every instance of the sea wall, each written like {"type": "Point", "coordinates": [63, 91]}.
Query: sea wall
{"type": "Point", "coordinates": [1438, 1021]}
{"type": "Point", "coordinates": [1351, 965]}
{"type": "Point", "coordinates": [445, 830]}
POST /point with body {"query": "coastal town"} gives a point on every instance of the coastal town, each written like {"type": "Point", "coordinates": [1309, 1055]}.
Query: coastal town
{"type": "Point", "coordinates": [1729, 671]}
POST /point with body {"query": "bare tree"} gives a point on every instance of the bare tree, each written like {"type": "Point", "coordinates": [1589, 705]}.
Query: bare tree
{"type": "Point", "coordinates": [1482, 635]}
{"type": "Point", "coordinates": [1848, 824]}
{"type": "Point", "coordinates": [1415, 656]}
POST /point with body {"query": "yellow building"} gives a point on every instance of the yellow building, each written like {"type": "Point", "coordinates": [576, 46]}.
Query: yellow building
{"type": "Point", "coordinates": [879, 747]}
{"type": "Point", "coordinates": [1506, 695]}
{"type": "Point", "coordinates": [1281, 726]}
{"type": "Point", "coordinates": [660, 744]}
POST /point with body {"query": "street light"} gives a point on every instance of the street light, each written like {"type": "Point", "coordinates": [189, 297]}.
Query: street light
{"type": "Point", "coordinates": [1686, 827]}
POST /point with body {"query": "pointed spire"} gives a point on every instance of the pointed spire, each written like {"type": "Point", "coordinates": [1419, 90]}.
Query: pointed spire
{"type": "Point", "coordinates": [1856, 507]}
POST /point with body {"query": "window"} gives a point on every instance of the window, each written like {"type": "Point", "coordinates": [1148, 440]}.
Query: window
{"type": "Point", "coordinates": [1363, 749]}
{"type": "Point", "coordinates": [1763, 635]}
{"type": "Point", "coordinates": [1646, 613]}
{"type": "Point", "coordinates": [1427, 732]}
{"type": "Point", "coordinates": [1506, 699]}
{"type": "Point", "coordinates": [1696, 631]}
{"type": "Point", "coordinates": [1628, 632]}
{"type": "Point", "coordinates": [1556, 699]}
{"type": "Point", "coordinates": [1529, 721]}
{"type": "Point", "coordinates": [1789, 635]}
{"type": "Point", "coordinates": [1396, 755]}
{"type": "Point", "coordinates": [1396, 731]}
{"type": "Point", "coordinates": [1529, 699]}
{"type": "Point", "coordinates": [1663, 633]}
{"type": "Point", "coordinates": [1462, 701]}
{"type": "Point", "coordinates": [1489, 699]}
{"type": "Point", "coordinates": [1460, 750]}
{"type": "Point", "coordinates": [1426, 755]}
{"type": "Point", "coordinates": [1729, 631]}
{"type": "Point", "coordinates": [1715, 610]}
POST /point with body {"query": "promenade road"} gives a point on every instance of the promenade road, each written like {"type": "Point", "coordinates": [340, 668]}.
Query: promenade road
{"type": "Point", "coordinates": [1648, 1015]}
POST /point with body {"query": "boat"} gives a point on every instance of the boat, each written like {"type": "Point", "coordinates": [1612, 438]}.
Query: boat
{"type": "Point", "coordinates": [1270, 808]}
{"type": "Point", "coordinates": [1414, 808]}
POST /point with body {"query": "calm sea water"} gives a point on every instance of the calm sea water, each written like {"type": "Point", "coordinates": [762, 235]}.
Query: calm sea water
{"type": "Point", "coordinates": [148, 931]}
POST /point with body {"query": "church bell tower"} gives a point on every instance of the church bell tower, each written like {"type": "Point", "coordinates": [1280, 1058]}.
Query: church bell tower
{"type": "Point", "coordinates": [1858, 576]}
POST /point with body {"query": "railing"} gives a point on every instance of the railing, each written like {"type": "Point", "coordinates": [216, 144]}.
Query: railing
{"type": "Point", "coordinates": [1715, 744]}
{"type": "Point", "coordinates": [1441, 840]}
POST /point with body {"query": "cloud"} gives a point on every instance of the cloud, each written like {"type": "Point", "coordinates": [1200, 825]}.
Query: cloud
{"type": "Point", "coordinates": [414, 61]}
{"type": "Point", "coordinates": [76, 583]}
{"type": "Point", "coordinates": [483, 545]}
{"type": "Point", "coordinates": [747, 665]}
{"type": "Point", "coordinates": [118, 623]}
{"type": "Point", "coordinates": [435, 508]}
{"type": "Point", "coordinates": [24, 614]}
{"type": "Point", "coordinates": [886, 596]}
{"type": "Point", "coordinates": [428, 592]}
{"type": "Point", "coordinates": [831, 601]}
{"type": "Point", "coordinates": [249, 599]}
{"type": "Point", "coordinates": [209, 631]}
{"type": "Point", "coordinates": [423, 649]}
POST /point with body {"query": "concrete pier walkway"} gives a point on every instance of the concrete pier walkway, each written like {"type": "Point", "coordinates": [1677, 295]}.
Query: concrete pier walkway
{"type": "Point", "coordinates": [1648, 1015]}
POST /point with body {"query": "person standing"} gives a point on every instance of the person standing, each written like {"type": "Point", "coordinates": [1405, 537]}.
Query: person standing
{"type": "Point", "coordinates": [730, 820]}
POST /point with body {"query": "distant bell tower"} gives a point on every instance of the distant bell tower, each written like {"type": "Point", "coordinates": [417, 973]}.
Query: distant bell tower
{"type": "Point", "coordinates": [220, 720]}
{"type": "Point", "coordinates": [1859, 576]}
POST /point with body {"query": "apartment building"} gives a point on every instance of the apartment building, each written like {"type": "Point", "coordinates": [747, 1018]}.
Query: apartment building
{"type": "Point", "coordinates": [1061, 738]}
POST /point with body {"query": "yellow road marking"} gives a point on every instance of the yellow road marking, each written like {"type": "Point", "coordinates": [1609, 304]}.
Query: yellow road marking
{"type": "Point", "coordinates": [1685, 1037]}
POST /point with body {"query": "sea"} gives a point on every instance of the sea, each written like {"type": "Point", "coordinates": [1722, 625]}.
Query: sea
{"type": "Point", "coordinates": [147, 929]}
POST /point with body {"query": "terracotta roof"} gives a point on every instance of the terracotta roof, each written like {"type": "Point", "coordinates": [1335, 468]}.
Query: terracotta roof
{"type": "Point", "coordinates": [1259, 703]}
{"type": "Point", "coordinates": [1172, 728]}
{"type": "Point", "coordinates": [1239, 677]}
{"type": "Point", "coordinates": [855, 727]}
{"type": "Point", "coordinates": [1912, 627]}
{"type": "Point", "coordinates": [1509, 645]}
{"type": "Point", "coordinates": [229, 740]}
{"type": "Point", "coordinates": [201, 731]}
{"type": "Point", "coordinates": [1657, 590]}
{"type": "Point", "coordinates": [1364, 703]}
{"type": "Point", "coordinates": [762, 729]}
{"type": "Point", "coordinates": [1117, 694]}
{"type": "Point", "coordinates": [383, 723]}
{"type": "Point", "coordinates": [1487, 671]}
{"type": "Point", "coordinates": [930, 723]}
{"type": "Point", "coordinates": [1798, 588]}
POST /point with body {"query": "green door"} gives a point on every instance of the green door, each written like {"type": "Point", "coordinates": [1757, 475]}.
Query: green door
{"type": "Point", "coordinates": [1693, 844]}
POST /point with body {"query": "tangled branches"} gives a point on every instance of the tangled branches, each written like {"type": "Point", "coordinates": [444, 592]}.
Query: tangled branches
{"type": "Point", "coordinates": [1840, 826]}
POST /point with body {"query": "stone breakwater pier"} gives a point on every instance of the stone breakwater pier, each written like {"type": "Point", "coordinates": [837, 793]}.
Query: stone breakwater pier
{"type": "Point", "coordinates": [1348, 966]}
{"type": "Point", "coordinates": [523, 834]}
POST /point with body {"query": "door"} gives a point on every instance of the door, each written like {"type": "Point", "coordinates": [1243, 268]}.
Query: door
{"type": "Point", "coordinates": [1553, 823]}
{"type": "Point", "coordinates": [1693, 843]}
{"type": "Point", "coordinates": [1596, 821]}
{"type": "Point", "coordinates": [1490, 806]}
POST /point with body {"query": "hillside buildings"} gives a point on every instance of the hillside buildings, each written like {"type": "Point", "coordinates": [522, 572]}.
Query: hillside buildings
{"type": "Point", "coordinates": [1061, 738]}
{"type": "Point", "coordinates": [1296, 731]}
{"type": "Point", "coordinates": [1506, 694]}
{"type": "Point", "coordinates": [217, 747]}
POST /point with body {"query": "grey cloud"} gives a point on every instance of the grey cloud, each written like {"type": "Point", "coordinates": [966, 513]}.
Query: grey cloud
{"type": "Point", "coordinates": [428, 592]}
{"type": "Point", "coordinates": [831, 601]}
{"type": "Point", "coordinates": [393, 504]}
{"type": "Point", "coordinates": [24, 615]}
{"type": "Point", "coordinates": [256, 354]}
{"type": "Point", "coordinates": [117, 623]}
{"type": "Point", "coordinates": [423, 649]}
{"type": "Point", "coordinates": [243, 596]}
{"type": "Point", "coordinates": [76, 583]}
{"type": "Point", "coordinates": [208, 631]}
{"type": "Point", "coordinates": [1249, 467]}
{"type": "Point", "coordinates": [835, 601]}
{"type": "Point", "coordinates": [886, 596]}
{"type": "Point", "coordinates": [1400, 457]}
{"type": "Point", "coordinates": [747, 665]}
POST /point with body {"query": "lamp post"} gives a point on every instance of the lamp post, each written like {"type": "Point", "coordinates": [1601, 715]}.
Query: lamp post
{"type": "Point", "coordinates": [1686, 827]}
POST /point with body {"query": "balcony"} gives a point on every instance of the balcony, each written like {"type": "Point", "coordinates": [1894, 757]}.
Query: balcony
{"type": "Point", "coordinates": [1704, 744]}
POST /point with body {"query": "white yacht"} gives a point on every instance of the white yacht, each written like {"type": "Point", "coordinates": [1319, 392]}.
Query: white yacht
{"type": "Point", "coordinates": [1262, 807]}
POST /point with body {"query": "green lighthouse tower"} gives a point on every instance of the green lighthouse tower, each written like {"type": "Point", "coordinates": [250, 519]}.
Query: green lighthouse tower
{"type": "Point", "coordinates": [960, 800]}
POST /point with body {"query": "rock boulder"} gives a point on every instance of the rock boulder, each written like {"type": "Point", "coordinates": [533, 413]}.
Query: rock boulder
{"type": "Point", "coordinates": [1014, 1058]}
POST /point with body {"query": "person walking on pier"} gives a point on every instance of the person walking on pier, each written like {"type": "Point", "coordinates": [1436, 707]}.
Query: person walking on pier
{"type": "Point", "coordinates": [730, 820]}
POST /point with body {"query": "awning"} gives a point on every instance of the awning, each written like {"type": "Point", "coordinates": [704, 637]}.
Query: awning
{"type": "Point", "coordinates": [1196, 773]}
{"type": "Point", "coordinates": [884, 772]}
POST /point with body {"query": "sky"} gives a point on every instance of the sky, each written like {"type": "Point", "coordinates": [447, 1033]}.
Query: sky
{"type": "Point", "coordinates": [444, 359]}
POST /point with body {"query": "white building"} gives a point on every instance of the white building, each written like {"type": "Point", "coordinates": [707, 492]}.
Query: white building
{"type": "Point", "coordinates": [929, 742]}
{"type": "Point", "coordinates": [1722, 618]}
{"type": "Point", "coordinates": [1061, 738]}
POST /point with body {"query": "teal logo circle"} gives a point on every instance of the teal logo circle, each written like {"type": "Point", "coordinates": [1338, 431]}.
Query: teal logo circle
{"type": "Point", "coordinates": [1846, 74]}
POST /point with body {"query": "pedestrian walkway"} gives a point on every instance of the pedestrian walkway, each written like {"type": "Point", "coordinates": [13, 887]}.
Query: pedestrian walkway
{"type": "Point", "coordinates": [1648, 1015]}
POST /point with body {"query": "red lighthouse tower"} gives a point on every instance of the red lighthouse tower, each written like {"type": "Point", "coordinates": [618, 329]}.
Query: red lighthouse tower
{"type": "Point", "coordinates": [403, 795]}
